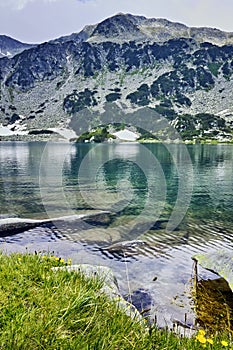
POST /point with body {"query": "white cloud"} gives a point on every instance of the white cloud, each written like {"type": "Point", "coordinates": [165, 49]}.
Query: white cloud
{"type": "Point", "coordinates": [19, 4]}
{"type": "Point", "coordinates": [14, 4]}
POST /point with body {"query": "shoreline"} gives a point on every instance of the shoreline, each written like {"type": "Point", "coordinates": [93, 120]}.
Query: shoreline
{"type": "Point", "coordinates": [147, 141]}
{"type": "Point", "coordinates": [25, 139]}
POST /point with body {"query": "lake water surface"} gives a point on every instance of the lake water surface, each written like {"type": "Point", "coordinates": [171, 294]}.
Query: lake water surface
{"type": "Point", "coordinates": [168, 203]}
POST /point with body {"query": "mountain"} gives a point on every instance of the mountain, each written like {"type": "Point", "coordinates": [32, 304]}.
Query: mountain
{"type": "Point", "coordinates": [121, 28]}
{"type": "Point", "coordinates": [10, 47]}
{"type": "Point", "coordinates": [126, 70]}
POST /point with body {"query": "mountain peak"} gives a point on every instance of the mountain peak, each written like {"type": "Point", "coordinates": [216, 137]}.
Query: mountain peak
{"type": "Point", "coordinates": [116, 26]}
{"type": "Point", "coordinates": [123, 27]}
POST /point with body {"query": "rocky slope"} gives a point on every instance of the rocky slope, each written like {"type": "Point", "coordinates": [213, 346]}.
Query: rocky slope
{"type": "Point", "coordinates": [127, 69]}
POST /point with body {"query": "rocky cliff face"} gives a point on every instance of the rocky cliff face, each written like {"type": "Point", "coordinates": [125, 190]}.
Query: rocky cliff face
{"type": "Point", "coordinates": [131, 63]}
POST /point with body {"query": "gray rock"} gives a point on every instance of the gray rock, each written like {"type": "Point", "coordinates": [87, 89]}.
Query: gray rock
{"type": "Point", "coordinates": [125, 249]}
{"type": "Point", "coordinates": [9, 226]}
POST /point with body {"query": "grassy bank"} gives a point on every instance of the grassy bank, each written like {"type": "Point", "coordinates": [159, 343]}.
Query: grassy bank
{"type": "Point", "coordinates": [43, 309]}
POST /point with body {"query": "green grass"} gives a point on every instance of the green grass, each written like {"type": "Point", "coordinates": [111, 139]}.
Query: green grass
{"type": "Point", "coordinates": [43, 309]}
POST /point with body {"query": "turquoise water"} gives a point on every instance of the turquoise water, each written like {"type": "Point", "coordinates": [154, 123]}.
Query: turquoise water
{"type": "Point", "coordinates": [168, 203]}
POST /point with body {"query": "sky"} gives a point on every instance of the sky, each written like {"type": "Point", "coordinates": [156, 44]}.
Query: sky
{"type": "Point", "coordinates": [36, 21]}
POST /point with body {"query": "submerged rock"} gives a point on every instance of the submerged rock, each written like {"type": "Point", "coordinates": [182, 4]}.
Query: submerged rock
{"type": "Point", "coordinates": [125, 249]}
{"type": "Point", "coordinates": [214, 297]}
{"type": "Point", "coordinates": [214, 305]}
{"type": "Point", "coordinates": [141, 299]}
{"type": "Point", "coordinates": [219, 262]}
{"type": "Point", "coordinates": [10, 226]}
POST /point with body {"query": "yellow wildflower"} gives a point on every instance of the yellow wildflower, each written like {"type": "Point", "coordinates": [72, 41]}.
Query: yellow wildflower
{"type": "Point", "coordinates": [69, 261]}
{"type": "Point", "coordinates": [210, 341]}
{"type": "Point", "coordinates": [224, 343]}
{"type": "Point", "coordinates": [201, 332]}
{"type": "Point", "coordinates": [201, 338]}
{"type": "Point", "coordinates": [19, 259]}
{"type": "Point", "coordinates": [57, 259]}
{"type": "Point", "coordinates": [62, 260]}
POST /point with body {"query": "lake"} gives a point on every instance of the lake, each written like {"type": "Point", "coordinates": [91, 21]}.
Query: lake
{"type": "Point", "coordinates": [167, 203]}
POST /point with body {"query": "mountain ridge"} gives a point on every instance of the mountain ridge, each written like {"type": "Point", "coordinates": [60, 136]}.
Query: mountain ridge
{"type": "Point", "coordinates": [10, 47]}
{"type": "Point", "coordinates": [166, 30]}
{"type": "Point", "coordinates": [204, 34]}
{"type": "Point", "coordinates": [161, 30]}
{"type": "Point", "coordinates": [131, 62]}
